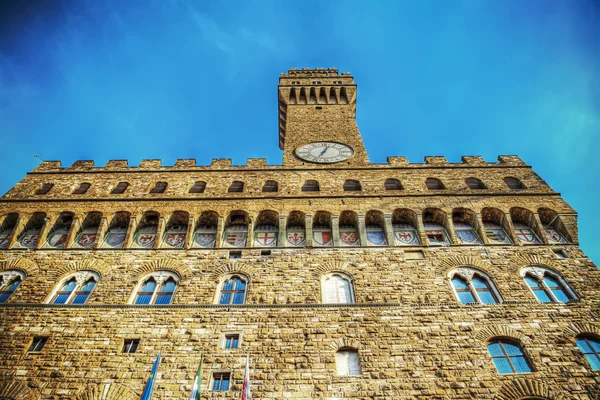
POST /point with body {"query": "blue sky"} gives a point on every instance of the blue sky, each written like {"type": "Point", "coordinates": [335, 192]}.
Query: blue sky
{"type": "Point", "coordinates": [127, 79]}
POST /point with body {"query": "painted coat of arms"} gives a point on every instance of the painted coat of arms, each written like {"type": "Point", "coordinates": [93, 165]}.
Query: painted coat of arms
{"type": "Point", "coordinates": [4, 239]}
{"type": "Point", "coordinates": [86, 240]}
{"type": "Point", "coordinates": [57, 239]}
{"type": "Point", "coordinates": [322, 238]}
{"type": "Point", "coordinates": [145, 240]}
{"type": "Point", "coordinates": [349, 238]}
{"type": "Point", "coordinates": [406, 237]}
{"type": "Point", "coordinates": [176, 240]}
{"type": "Point", "coordinates": [296, 237]}
{"type": "Point", "coordinates": [525, 234]}
{"type": "Point", "coordinates": [375, 236]}
{"type": "Point", "coordinates": [235, 239]}
{"type": "Point", "coordinates": [29, 239]}
{"type": "Point", "coordinates": [205, 239]}
{"type": "Point", "coordinates": [266, 239]}
{"type": "Point", "coordinates": [467, 236]}
{"type": "Point", "coordinates": [555, 237]}
{"type": "Point", "coordinates": [115, 239]}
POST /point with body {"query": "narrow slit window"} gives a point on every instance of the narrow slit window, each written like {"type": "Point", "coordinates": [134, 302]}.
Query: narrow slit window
{"type": "Point", "coordinates": [198, 187]}
{"type": "Point", "coordinates": [130, 346]}
{"type": "Point", "coordinates": [82, 189]}
{"type": "Point", "coordinates": [120, 188]}
{"type": "Point", "coordinates": [37, 344]}
{"type": "Point", "coordinates": [44, 189]}
{"type": "Point", "coordinates": [160, 187]}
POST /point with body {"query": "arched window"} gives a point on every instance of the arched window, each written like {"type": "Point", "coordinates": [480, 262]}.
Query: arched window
{"type": "Point", "coordinates": [236, 187]}
{"type": "Point", "coordinates": [337, 289]}
{"type": "Point", "coordinates": [474, 183]}
{"type": "Point", "coordinates": [44, 189]}
{"type": "Point", "coordinates": [270, 186]}
{"type": "Point", "coordinates": [233, 291]}
{"type": "Point", "coordinates": [310, 186]}
{"type": "Point", "coordinates": [434, 184]}
{"type": "Point", "coordinates": [347, 362]}
{"type": "Point", "coordinates": [392, 184]}
{"type": "Point", "coordinates": [120, 188]}
{"type": "Point", "coordinates": [75, 289]}
{"type": "Point", "coordinates": [590, 346]}
{"type": "Point", "coordinates": [508, 357]}
{"type": "Point", "coordinates": [9, 282]}
{"type": "Point", "coordinates": [198, 187]}
{"type": "Point", "coordinates": [472, 286]}
{"type": "Point", "coordinates": [548, 287]}
{"type": "Point", "coordinates": [352, 185]}
{"type": "Point", "coordinates": [160, 187]}
{"type": "Point", "coordinates": [156, 288]}
{"type": "Point", "coordinates": [82, 189]}
{"type": "Point", "coordinates": [513, 183]}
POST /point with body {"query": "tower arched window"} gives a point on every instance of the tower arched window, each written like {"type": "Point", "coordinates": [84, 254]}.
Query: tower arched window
{"type": "Point", "coordinates": [44, 189]}
{"type": "Point", "coordinates": [156, 288]}
{"type": "Point", "coordinates": [75, 289]}
{"type": "Point", "coordinates": [160, 187]}
{"type": "Point", "coordinates": [270, 186]}
{"type": "Point", "coordinates": [236, 187]}
{"type": "Point", "coordinates": [547, 286]}
{"type": "Point", "coordinates": [337, 289]}
{"type": "Point", "coordinates": [351, 185]}
{"type": "Point", "coordinates": [347, 362]}
{"type": "Point", "coordinates": [508, 357]}
{"type": "Point", "coordinates": [434, 184]}
{"type": "Point", "coordinates": [472, 286]}
{"type": "Point", "coordinates": [9, 282]}
{"type": "Point", "coordinates": [475, 184]}
{"type": "Point", "coordinates": [120, 188]}
{"type": "Point", "coordinates": [233, 291]}
{"type": "Point", "coordinates": [513, 183]}
{"type": "Point", "coordinates": [198, 187]}
{"type": "Point", "coordinates": [310, 186]}
{"type": "Point", "coordinates": [392, 184]}
{"type": "Point", "coordinates": [82, 189]}
{"type": "Point", "coordinates": [590, 346]}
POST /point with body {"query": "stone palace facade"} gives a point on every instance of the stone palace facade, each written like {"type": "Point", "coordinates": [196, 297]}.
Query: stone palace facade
{"type": "Point", "coordinates": [339, 278]}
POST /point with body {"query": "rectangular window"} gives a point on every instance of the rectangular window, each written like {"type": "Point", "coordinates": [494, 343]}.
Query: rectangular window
{"type": "Point", "coordinates": [37, 344]}
{"type": "Point", "coordinates": [130, 345]}
{"type": "Point", "coordinates": [265, 253]}
{"type": "Point", "coordinates": [221, 381]}
{"type": "Point", "coordinates": [235, 254]}
{"type": "Point", "coordinates": [560, 253]}
{"type": "Point", "coordinates": [231, 341]}
{"type": "Point", "coordinates": [414, 255]}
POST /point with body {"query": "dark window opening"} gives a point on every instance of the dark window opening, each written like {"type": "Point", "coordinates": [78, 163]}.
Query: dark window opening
{"type": "Point", "coordinates": [198, 187]}
{"type": "Point", "coordinates": [475, 183]}
{"type": "Point", "coordinates": [83, 188]}
{"type": "Point", "coordinates": [130, 346]}
{"type": "Point", "coordinates": [44, 189]}
{"type": "Point", "coordinates": [352, 185]}
{"type": "Point", "coordinates": [270, 186]}
{"type": "Point", "coordinates": [38, 343]}
{"type": "Point", "coordinates": [120, 188]}
{"type": "Point", "coordinates": [392, 184]}
{"type": "Point", "coordinates": [236, 187]}
{"type": "Point", "coordinates": [513, 183]}
{"type": "Point", "coordinates": [310, 186]}
{"type": "Point", "coordinates": [160, 187]}
{"type": "Point", "coordinates": [235, 254]}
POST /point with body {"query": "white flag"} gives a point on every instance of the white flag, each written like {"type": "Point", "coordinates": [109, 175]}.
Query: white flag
{"type": "Point", "coordinates": [246, 388]}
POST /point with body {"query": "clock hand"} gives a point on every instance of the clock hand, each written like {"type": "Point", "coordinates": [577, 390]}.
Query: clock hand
{"type": "Point", "coordinates": [324, 150]}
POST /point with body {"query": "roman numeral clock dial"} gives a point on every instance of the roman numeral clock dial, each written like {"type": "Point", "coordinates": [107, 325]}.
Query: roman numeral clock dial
{"type": "Point", "coordinates": [324, 152]}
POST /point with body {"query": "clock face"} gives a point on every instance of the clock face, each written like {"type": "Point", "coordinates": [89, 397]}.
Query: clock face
{"type": "Point", "coordinates": [324, 152]}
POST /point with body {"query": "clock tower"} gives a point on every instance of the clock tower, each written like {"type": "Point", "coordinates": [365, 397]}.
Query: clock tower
{"type": "Point", "coordinates": [317, 119]}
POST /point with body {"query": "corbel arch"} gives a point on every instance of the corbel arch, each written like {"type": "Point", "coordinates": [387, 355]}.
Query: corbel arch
{"type": "Point", "coordinates": [26, 265]}
{"type": "Point", "coordinates": [13, 389]}
{"type": "Point", "coordinates": [454, 262]}
{"type": "Point", "coordinates": [579, 328]}
{"type": "Point", "coordinates": [108, 391]}
{"type": "Point", "coordinates": [526, 388]}
{"type": "Point", "coordinates": [163, 264]}
{"type": "Point", "coordinates": [343, 343]}
{"type": "Point", "coordinates": [233, 268]}
{"type": "Point", "coordinates": [494, 331]}
{"type": "Point", "coordinates": [526, 260]}
{"type": "Point", "coordinates": [337, 266]}
{"type": "Point", "coordinates": [95, 265]}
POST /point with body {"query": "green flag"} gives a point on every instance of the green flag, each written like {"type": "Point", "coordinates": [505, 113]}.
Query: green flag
{"type": "Point", "coordinates": [196, 389]}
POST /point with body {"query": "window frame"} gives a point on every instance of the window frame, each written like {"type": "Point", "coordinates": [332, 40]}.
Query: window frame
{"type": "Point", "coordinates": [502, 341]}
{"type": "Point", "coordinates": [224, 280]}
{"type": "Point", "coordinates": [349, 350]}
{"type": "Point", "coordinates": [198, 187]}
{"type": "Point", "coordinates": [438, 182]}
{"type": "Point", "coordinates": [37, 344]}
{"type": "Point", "coordinates": [270, 185]}
{"type": "Point", "coordinates": [314, 186]}
{"type": "Point", "coordinates": [236, 186]}
{"type": "Point", "coordinates": [221, 375]}
{"type": "Point", "coordinates": [392, 184]}
{"type": "Point", "coordinates": [468, 274]}
{"type": "Point", "coordinates": [595, 353]}
{"type": "Point", "coordinates": [225, 336]}
{"type": "Point", "coordinates": [160, 277]}
{"type": "Point", "coordinates": [343, 276]}
{"type": "Point", "coordinates": [352, 185]}
{"type": "Point", "coordinates": [538, 273]}
{"type": "Point", "coordinates": [477, 183]}
{"type": "Point", "coordinates": [8, 278]}
{"type": "Point", "coordinates": [520, 185]}
{"type": "Point", "coordinates": [83, 188]}
{"type": "Point", "coordinates": [128, 344]}
{"type": "Point", "coordinates": [81, 279]}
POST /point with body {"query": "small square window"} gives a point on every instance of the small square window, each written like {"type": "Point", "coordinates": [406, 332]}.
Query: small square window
{"type": "Point", "coordinates": [414, 255]}
{"type": "Point", "coordinates": [37, 344]}
{"type": "Point", "coordinates": [265, 253]}
{"type": "Point", "coordinates": [231, 341]}
{"type": "Point", "coordinates": [221, 381]}
{"type": "Point", "coordinates": [130, 345]}
{"type": "Point", "coordinates": [560, 253]}
{"type": "Point", "coordinates": [235, 254]}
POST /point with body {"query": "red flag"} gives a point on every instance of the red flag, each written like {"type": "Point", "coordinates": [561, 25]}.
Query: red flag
{"type": "Point", "coordinates": [246, 388]}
